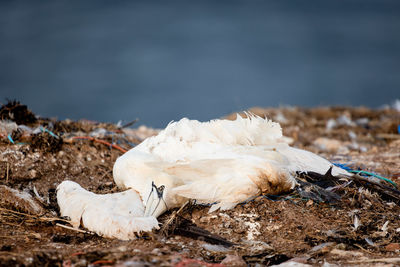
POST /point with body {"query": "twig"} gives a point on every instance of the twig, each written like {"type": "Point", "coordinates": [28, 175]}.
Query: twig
{"type": "Point", "coordinates": [45, 219]}
{"type": "Point", "coordinates": [73, 229]}
{"type": "Point", "coordinates": [388, 136]}
{"type": "Point", "coordinates": [102, 262]}
{"type": "Point", "coordinates": [129, 123]}
{"type": "Point", "coordinates": [8, 170]}
{"type": "Point", "coordinates": [173, 216]}
{"type": "Point", "coordinates": [363, 249]}
{"type": "Point", "coordinates": [11, 253]}
{"type": "Point", "coordinates": [386, 260]}
{"type": "Point", "coordinates": [101, 142]}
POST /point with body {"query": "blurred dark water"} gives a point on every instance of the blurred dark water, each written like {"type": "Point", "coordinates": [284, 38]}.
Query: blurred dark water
{"type": "Point", "coordinates": [162, 60]}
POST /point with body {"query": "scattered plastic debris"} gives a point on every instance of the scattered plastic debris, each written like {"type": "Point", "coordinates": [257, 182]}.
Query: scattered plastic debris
{"type": "Point", "coordinates": [311, 232]}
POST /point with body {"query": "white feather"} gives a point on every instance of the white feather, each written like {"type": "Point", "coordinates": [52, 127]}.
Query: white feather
{"type": "Point", "coordinates": [217, 161]}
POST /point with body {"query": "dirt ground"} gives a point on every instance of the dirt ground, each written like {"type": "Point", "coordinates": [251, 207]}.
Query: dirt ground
{"type": "Point", "coordinates": [363, 228]}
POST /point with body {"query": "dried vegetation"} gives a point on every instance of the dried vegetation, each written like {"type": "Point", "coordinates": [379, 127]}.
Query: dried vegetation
{"type": "Point", "coordinates": [362, 228]}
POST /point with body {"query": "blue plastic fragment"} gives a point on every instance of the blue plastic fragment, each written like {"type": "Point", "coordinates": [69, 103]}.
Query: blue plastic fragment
{"type": "Point", "coordinates": [10, 138]}
{"type": "Point", "coordinates": [49, 132]}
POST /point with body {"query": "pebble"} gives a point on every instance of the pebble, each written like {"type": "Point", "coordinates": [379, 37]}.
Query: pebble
{"type": "Point", "coordinates": [331, 145]}
{"type": "Point", "coordinates": [132, 263]}
{"type": "Point", "coordinates": [393, 247]}
{"type": "Point", "coordinates": [322, 248]}
{"type": "Point", "coordinates": [345, 120]}
{"type": "Point", "coordinates": [233, 260]}
{"type": "Point", "coordinates": [32, 173]}
{"type": "Point", "coordinates": [330, 124]}
{"type": "Point", "coordinates": [362, 121]}
{"type": "Point", "coordinates": [295, 262]}
{"type": "Point", "coordinates": [346, 253]}
{"type": "Point", "coordinates": [215, 248]}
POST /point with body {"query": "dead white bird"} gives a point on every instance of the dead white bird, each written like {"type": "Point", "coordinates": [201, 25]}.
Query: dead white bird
{"type": "Point", "coordinates": [220, 161]}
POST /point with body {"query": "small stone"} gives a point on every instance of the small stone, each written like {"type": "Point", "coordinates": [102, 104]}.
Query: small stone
{"type": "Point", "coordinates": [156, 251]}
{"type": "Point", "coordinates": [322, 248]}
{"type": "Point", "coordinates": [215, 248]}
{"type": "Point", "coordinates": [330, 145]}
{"type": "Point", "coordinates": [362, 121]}
{"type": "Point", "coordinates": [36, 235]}
{"type": "Point", "coordinates": [330, 124]}
{"type": "Point", "coordinates": [345, 120]}
{"type": "Point", "coordinates": [352, 135]}
{"type": "Point", "coordinates": [32, 173]}
{"type": "Point", "coordinates": [346, 253]}
{"type": "Point", "coordinates": [204, 219]}
{"type": "Point", "coordinates": [393, 247]}
{"type": "Point", "coordinates": [233, 260]}
{"type": "Point", "coordinates": [122, 248]}
{"type": "Point", "coordinates": [294, 262]}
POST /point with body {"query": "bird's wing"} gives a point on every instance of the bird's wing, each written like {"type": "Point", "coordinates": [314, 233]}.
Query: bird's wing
{"type": "Point", "coordinates": [305, 161]}
{"type": "Point", "coordinates": [229, 181]}
{"type": "Point", "coordinates": [119, 215]}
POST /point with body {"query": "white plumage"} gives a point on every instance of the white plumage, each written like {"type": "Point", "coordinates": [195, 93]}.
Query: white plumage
{"type": "Point", "coordinates": [220, 161]}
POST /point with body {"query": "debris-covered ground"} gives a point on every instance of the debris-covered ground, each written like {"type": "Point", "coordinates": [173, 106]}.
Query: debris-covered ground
{"type": "Point", "coordinates": [37, 154]}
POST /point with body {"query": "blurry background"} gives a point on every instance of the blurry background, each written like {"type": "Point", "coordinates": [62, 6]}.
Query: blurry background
{"type": "Point", "coordinates": [161, 60]}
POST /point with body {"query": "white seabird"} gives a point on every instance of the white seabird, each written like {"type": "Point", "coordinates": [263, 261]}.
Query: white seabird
{"type": "Point", "coordinates": [221, 161]}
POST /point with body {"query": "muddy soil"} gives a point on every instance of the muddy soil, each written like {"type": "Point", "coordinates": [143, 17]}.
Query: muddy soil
{"type": "Point", "coordinates": [363, 228]}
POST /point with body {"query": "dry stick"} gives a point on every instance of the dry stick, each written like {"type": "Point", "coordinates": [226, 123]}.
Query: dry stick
{"type": "Point", "coordinates": [388, 136]}
{"type": "Point", "coordinates": [101, 142]}
{"type": "Point", "coordinates": [385, 260]}
{"type": "Point", "coordinates": [73, 229]}
{"type": "Point", "coordinates": [363, 249]}
{"type": "Point", "coordinates": [46, 219]}
{"type": "Point", "coordinates": [129, 123]}
{"type": "Point", "coordinates": [10, 253]}
{"type": "Point", "coordinates": [173, 216]}
{"type": "Point", "coordinates": [8, 170]}
{"type": "Point", "coordinates": [98, 262]}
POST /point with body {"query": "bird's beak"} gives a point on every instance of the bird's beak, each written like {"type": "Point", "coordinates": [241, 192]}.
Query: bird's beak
{"type": "Point", "coordinates": [155, 205]}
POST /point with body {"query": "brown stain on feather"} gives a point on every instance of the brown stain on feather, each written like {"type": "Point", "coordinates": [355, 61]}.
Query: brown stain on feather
{"type": "Point", "coordinates": [272, 181]}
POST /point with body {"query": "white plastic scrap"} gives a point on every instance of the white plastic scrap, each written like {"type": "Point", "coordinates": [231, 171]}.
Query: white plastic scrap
{"type": "Point", "coordinates": [7, 127]}
{"type": "Point", "coordinates": [396, 105]}
{"type": "Point", "coordinates": [280, 118]}
{"type": "Point", "coordinates": [345, 120]}
{"type": "Point", "coordinates": [385, 227]}
{"type": "Point", "coordinates": [330, 124]}
{"type": "Point", "coordinates": [99, 132]}
{"type": "Point", "coordinates": [369, 241]}
{"type": "Point", "coordinates": [356, 222]}
{"type": "Point", "coordinates": [362, 121]}
{"type": "Point", "coordinates": [352, 135]}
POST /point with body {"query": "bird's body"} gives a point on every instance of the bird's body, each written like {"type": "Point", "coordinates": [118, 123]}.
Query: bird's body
{"type": "Point", "coordinates": [221, 161]}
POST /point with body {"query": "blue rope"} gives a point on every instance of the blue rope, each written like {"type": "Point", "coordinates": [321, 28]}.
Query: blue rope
{"type": "Point", "coordinates": [364, 173]}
